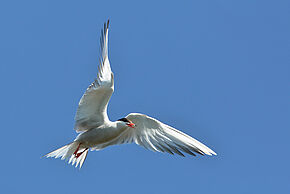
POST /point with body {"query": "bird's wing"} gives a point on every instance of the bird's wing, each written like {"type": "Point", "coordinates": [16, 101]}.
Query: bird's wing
{"type": "Point", "coordinates": [154, 135]}
{"type": "Point", "coordinates": [92, 109]}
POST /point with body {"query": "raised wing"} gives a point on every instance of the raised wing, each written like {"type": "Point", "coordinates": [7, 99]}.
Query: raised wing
{"type": "Point", "coordinates": [154, 135]}
{"type": "Point", "coordinates": [92, 109]}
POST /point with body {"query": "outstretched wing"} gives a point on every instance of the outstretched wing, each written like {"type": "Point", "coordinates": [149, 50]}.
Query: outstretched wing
{"type": "Point", "coordinates": [92, 109]}
{"type": "Point", "coordinates": [154, 135]}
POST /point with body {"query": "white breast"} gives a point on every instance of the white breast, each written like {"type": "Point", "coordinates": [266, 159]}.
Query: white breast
{"type": "Point", "coordinates": [103, 134]}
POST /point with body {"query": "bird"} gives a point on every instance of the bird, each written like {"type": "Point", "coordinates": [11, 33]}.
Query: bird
{"type": "Point", "coordinates": [97, 132]}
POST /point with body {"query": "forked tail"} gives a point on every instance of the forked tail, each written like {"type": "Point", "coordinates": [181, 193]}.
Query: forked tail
{"type": "Point", "coordinates": [72, 152]}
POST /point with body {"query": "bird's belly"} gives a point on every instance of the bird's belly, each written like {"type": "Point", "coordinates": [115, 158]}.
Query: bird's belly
{"type": "Point", "coordinates": [96, 137]}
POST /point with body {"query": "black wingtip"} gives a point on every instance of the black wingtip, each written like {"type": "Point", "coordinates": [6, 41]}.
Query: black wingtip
{"type": "Point", "coordinates": [106, 26]}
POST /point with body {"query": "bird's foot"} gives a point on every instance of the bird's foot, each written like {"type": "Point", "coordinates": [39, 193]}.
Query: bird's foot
{"type": "Point", "coordinates": [75, 153]}
{"type": "Point", "coordinates": [79, 154]}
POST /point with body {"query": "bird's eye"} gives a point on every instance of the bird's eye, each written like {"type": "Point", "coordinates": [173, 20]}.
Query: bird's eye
{"type": "Point", "coordinates": [124, 120]}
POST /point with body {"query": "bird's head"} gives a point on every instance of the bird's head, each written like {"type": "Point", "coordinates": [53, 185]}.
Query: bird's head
{"type": "Point", "coordinates": [127, 122]}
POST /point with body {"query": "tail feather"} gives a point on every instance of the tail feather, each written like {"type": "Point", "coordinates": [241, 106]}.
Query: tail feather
{"type": "Point", "coordinates": [67, 153]}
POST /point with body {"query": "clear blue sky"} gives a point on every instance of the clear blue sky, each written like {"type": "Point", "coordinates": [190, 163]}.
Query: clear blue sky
{"type": "Point", "coordinates": [217, 70]}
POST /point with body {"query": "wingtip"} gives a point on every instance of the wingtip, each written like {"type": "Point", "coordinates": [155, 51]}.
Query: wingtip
{"type": "Point", "coordinates": [211, 153]}
{"type": "Point", "coordinates": [106, 26]}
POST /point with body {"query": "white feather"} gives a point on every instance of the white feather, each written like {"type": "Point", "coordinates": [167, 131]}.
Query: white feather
{"type": "Point", "coordinates": [92, 110]}
{"type": "Point", "coordinates": [154, 135]}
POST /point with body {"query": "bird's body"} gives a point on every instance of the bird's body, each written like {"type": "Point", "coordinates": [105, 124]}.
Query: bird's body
{"type": "Point", "coordinates": [100, 135]}
{"type": "Point", "coordinates": [97, 131]}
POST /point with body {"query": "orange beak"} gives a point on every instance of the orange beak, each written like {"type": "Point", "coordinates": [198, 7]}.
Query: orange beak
{"type": "Point", "coordinates": [132, 125]}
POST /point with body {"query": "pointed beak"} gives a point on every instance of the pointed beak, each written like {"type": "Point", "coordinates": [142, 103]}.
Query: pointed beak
{"type": "Point", "coordinates": [132, 125]}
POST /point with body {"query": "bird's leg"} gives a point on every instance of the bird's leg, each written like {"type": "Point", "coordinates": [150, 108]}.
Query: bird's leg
{"type": "Point", "coordinates": [79, 154]}
{"type": "Point", "coordinates": [75, 153]}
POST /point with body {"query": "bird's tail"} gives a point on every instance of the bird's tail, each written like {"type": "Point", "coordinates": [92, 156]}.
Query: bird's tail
{"type": "Point", "coordinates": [72, 152]}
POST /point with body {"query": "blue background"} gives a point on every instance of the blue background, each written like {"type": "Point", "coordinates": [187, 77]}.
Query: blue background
{"type": "Point", "coordinates": [217, 70]}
